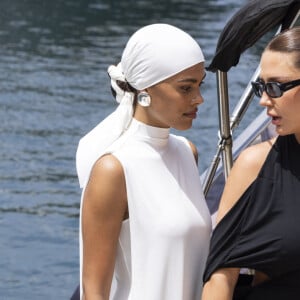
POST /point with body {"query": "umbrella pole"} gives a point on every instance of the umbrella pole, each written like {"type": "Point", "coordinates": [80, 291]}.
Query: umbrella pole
{"type": "Point", "coordinates": [211, 171]}
{"type": "Point", "coordinates": [224, 121]}
{"type": "Point", "coordinates": [225, 142]}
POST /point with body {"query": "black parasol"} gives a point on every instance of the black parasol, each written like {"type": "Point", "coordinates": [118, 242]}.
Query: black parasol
{"type": "Point", "coordinates": [247, 26]}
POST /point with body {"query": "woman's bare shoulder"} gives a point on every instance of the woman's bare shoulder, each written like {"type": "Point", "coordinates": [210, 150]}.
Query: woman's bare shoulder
{"type": "Point", "coordinates": [107, 165]}
{"type": "Point", "coordinates": [254, 156]}
{"type": "Point", "coordinates": [107, 174]}
{"type": "Point", "coordinates": [105, 193]}
{"type": "Point", "coordinates": [244, 171]}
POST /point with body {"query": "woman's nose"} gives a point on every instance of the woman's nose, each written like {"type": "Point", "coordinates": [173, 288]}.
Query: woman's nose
{"type": "Point", "coordinates": [198, 99]}
{"type": "Point", "coordinates": [265, 100]}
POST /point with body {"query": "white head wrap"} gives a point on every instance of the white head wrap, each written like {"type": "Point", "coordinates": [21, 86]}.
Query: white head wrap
{"type": "Point", "coordinates": [153, 54]}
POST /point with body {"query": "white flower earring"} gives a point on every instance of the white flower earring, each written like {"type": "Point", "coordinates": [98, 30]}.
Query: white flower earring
{"type": "Point", "coordinates": [144, 99]}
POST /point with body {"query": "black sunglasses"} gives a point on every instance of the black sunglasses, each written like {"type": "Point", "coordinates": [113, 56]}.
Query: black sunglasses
{"type": "Point", "coordinates": [273, 89]}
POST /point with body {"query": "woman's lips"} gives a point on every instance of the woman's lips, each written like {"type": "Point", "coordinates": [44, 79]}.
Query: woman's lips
{"type": "Point", "coordinates": [276, 120]}
{"type": "Point", "coordinates": [191, 114]}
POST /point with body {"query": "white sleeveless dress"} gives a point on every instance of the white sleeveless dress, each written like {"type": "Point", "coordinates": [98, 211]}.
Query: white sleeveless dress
{"type": "Point", "coordinates": [164, 244]}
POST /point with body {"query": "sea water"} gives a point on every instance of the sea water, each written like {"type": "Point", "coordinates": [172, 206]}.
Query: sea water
{"type": "Point", "coordinates": [53, 89]}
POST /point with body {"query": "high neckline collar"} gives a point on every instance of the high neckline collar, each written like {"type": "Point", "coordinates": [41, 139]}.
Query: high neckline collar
{"type": "Point", "coordinates": [150, 131]}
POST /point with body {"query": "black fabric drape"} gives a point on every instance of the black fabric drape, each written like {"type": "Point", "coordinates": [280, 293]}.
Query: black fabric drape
{"type": "Point", "coordinates": [247, 26]}
{"type": "Point", "coordinates": [261, 231]}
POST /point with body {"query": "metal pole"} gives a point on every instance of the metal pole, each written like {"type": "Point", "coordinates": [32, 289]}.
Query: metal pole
{"type": "Point", "coordinates": [225, 131]}
{"type": "Point", "coordinates": [210, 173]}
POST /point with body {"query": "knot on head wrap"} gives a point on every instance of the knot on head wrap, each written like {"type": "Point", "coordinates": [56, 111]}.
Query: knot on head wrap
{"type": "Point", "coordinates": [153, 54]}
{"type": "Point", "coordinates": [116, 74]}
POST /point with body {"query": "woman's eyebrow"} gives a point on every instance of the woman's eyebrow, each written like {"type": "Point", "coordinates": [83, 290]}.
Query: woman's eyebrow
{"type": "Point", "coordinates": [187, 80]}
{"type": "Point", "coordinates": [275, 79]}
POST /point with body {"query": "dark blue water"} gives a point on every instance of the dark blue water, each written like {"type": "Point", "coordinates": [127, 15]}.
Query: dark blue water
{"type": "Point", "coordinates": [53, 89]}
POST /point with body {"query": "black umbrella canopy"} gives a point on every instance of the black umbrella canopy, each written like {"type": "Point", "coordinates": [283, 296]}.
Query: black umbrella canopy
{"type": "Point", "coordinates": [247, 26]}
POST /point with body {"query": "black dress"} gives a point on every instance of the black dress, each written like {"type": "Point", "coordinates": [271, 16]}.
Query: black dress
{"type": "Point", "coordinates": [262, 230]}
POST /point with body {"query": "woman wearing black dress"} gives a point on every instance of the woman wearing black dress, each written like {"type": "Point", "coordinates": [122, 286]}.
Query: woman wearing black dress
{"type": "Point", "coordinates": [259, 215]}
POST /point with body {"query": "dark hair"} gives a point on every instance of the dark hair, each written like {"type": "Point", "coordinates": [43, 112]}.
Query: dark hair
{"type": "Point", "coordinates": [125, 86]}
{"type": "Point", "coordinates": [287, 41]}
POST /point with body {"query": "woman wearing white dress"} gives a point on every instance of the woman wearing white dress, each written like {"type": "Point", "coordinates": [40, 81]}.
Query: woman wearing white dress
{"type": "Point", "coordinates": [145, 226]}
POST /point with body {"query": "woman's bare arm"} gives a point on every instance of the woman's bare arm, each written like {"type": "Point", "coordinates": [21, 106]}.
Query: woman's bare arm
{"type": "Point", "coordinates": [104, 208]}
{"type": "Point", "coordinates": [244, 171]}
{"type": "Point", "coordinates": [221, 284]}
